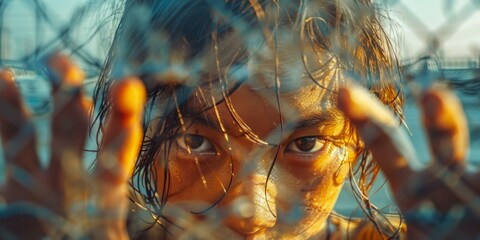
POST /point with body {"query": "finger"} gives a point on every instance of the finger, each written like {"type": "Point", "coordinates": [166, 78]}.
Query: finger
{"type": "Point", "coordinates": [473, 181]}
{"type": "Point", "coordinates": [123, 134]}
{"type": "Point", "coordinates": [446, 126]}
{"type": "Point", "coordinates": [16, 128]}
{"type": "Point", "coordinates": [70, 120]}
{"type": "Point", "coordinates": [64, 72]}
{"type": "Point", "coordinates": [380, 132]}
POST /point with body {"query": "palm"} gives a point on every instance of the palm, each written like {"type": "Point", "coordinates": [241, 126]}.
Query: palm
{"type": "Point", "coordinates": [57, 201]}
{"type": "Point", "coordinates": [441, 200]}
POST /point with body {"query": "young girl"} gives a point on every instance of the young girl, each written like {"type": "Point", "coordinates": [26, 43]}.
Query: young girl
{"type": "Point", "coordinates": [237, 119]}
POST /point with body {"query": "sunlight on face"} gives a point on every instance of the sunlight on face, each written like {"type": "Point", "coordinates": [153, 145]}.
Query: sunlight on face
{"type": "Point", "coordinates": [273, 171]}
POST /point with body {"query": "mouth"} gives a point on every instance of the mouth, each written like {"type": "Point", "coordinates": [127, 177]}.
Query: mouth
{"type": "Point", "coordinates": [258, 235]}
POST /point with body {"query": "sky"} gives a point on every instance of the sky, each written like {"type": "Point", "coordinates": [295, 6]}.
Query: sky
{"type": "Point", "coordinates": [20, 25]}
{"type": "Point", "coordinates": [460, 17]}
{"type": "Point", "coordinates": [415, 19]}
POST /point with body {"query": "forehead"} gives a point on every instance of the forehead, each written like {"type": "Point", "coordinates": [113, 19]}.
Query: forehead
{"type": "Point", "coordinates": [278, 84]}
{"type": "Point", "coordinates": [281, 72]}
{"type": "Point", "coordinates": [265, 110]}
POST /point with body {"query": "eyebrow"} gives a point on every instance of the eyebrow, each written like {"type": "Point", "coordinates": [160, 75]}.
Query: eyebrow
{"type": "Point", "coordinates": [208, 121]}
{"type": "Point", "coordinates": [325, 116]}
{"type": "Point", "coordinates": [318, 118]}
{"type": "Point", "coordinates": [328, 116]}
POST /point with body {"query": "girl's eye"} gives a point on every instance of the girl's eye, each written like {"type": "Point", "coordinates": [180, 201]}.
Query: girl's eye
{"type": "Point", "coordinates": [195, 143]}
{"type": "Point", "coordinates": [306, 145]}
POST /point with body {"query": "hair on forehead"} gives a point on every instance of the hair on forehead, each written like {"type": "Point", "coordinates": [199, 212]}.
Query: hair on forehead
{"type": "Point", "coordinates": [190, 24]}
{"type": "Point", "coordinates": [347, 30]}
{"type": "Point", "coordinates": [328, 37]}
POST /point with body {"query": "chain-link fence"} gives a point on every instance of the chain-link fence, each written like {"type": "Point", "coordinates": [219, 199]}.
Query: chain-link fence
{"type": "Point", "coordinates": [442, 39]}
{"type": "Point", "coordinates": [31, 30]}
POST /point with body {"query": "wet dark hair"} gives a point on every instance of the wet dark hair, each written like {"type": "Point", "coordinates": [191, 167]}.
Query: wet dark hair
{"type": "Point", "coordinates": [160, 40]}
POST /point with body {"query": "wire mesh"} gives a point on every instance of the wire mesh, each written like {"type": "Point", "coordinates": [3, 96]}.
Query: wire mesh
{"type": "Point", "coordinates": [87, 34]}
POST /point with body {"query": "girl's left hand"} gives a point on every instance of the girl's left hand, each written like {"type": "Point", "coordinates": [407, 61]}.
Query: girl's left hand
{"type": "Point", "coordinates": [442, 200]}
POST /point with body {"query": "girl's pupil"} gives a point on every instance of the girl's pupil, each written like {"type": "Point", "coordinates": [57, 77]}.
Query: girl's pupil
{"type": "Point", "coordinates": [306, 143]}
{"type": "Point", "coordinates": [193, 141]}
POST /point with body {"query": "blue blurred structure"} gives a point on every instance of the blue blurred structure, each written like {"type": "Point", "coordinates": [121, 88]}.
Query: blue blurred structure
{"type": "Point", "coordinates": [461, 73]}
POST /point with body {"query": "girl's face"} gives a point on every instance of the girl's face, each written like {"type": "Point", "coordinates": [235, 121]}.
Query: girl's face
{"type": "Point", "coordinates": [278, 160]}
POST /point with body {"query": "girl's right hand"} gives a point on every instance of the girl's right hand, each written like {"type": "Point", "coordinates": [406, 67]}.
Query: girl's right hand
{"type": "Point", "coordinates": [63, 199]}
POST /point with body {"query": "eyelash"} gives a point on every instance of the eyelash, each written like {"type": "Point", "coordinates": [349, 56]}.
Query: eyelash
{"type": "Point", "coordinates": [319, 144]}
{"type": "Point", "coordinates": [206, 146]}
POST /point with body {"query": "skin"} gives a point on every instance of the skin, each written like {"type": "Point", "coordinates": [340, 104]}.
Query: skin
{"type": "Point", "coordinates": [305, 178]}
{"type": "Point", "coordinates": [424, 189]}
{"type": "Point", "coordinates": [108, 184]}
{"type": "Point", "coordinates": [57, 188]}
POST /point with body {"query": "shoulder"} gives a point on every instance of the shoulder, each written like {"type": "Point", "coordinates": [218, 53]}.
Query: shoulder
{"type": "Point", "coordinates": [363, 228]}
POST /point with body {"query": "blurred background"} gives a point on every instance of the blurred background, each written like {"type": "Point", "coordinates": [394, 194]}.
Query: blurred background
{"type": "Point", "coordinates": [436, 39]}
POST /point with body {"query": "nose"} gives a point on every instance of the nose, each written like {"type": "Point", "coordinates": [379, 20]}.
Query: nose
{"type": "Point", "coordinates": [251, 209]}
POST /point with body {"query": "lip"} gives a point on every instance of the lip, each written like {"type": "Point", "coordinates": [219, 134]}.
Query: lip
{"type": "Point", "coordinates": [258, 235]}
{"type": "Point", "coordinates": [246, 227]}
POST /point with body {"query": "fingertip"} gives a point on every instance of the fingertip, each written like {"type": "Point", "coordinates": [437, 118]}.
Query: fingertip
{"type": "Point", "coordinates": [68, 72]}
{"type": "Point", "coordinates": [446, 125]}
{"type": "Point", "coordinates": [9, 91]}
{"type": "Point", "coordinates": [438, 113]}
{"type": "Point", "coordinates": [349, 105]}
{"type": "Point", "coordinates": [129, 96]}
{"type": "Point", "coordinates": [7, 75]}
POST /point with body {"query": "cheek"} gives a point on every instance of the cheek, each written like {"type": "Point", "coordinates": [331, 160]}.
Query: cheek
{"type": "Point", "coordinates": [303, 205]}
{"type": "Point", "coordinates": [319, 188]}
{"type": "Point", "coordinates": [326, 169]}
{"type": "Point", "coordinates": [315, 185]}
{"type": "Point", "coordinates": [191, 181]}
